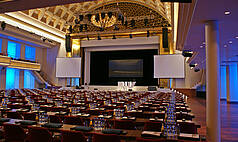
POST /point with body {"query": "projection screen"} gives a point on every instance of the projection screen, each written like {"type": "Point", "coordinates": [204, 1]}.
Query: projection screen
{"type": "Point", "coordinates": [169, 66]}
{"type": "Point", "coordinates": [68, 67]}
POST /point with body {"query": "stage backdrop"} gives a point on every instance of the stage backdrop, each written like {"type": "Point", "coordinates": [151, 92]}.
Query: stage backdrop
{"type": "Point", "coordinates": [109, 67]}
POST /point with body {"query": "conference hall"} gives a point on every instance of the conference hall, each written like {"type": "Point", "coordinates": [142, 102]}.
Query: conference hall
{"type": "Point", "coordinates": [118, 71]}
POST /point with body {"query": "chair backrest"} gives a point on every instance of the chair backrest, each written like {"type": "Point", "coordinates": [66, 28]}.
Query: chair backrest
{"type": "Point", "coordinates": [124, 124]}
{"type": "Point", "coordinates": [105, 138]}
{"type": "Point", "coordinates": [153, 126]}
{"type": "Point", "coordinates": [73, 120]}
{"type": "Point", "coordinates": [14, 115]}
{"type": "Point", "coordinates": [72, 136]}
{"type": "Point", "coordinates": [185, 127]}
{"type": "Point", "coordinates": [29, 116]}
{"type": "Point", "coordinates": [39, 134]}
{"type": "Point", "coordinates": [150, 140]}
{"type": "Point", "coordinates": [13, 132]}
{"type": "Point", "coordinates": [55, 119]}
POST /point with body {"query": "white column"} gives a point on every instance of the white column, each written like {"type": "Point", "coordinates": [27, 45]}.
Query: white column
{"type": "Point", "coordinates": [213, 81]}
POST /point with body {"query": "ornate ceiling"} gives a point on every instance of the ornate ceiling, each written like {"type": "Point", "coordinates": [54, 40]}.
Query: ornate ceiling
{"type": "Point", "coordinates": [60, 17]}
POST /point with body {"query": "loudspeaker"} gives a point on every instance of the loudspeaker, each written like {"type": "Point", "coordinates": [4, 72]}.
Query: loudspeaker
{"type": "Point", "coordinates": [68, 43]}
{"type": "Point", "coordinates": [165, 38]}
{"type": "Point", "coordinates": [180, 1]}
{"type": "Point", "coordinates": [152, 88]}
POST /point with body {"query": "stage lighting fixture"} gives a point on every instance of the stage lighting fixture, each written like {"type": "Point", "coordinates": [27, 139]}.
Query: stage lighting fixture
{"type": "Point", "coordinates": [3, 25]}
{"type": "Point", "coordinates": [76, 21]}
{"type": "Point", "coordinates": [120, 17]}
{"type": "Point", "coordinates": [99, 38]}
{"type": "Point", "coordinates": [146, 22]}
{"type": "Point", "coordinates": [196, 70]}
{"type": "Point", "coordinates": [148, 33]}
{"type": "Point", "coordinates": [187, 53]}
{"type": "Point", "coordinates": [192, 65]}
{"type": "Point", "coordinates": [126, 23]}
{"type": "Point", "coordinates": [97, 18]}
{"type": "Point", "coordinates": [132, 23]}
{"type": "Point", "coordinates": [89, 17]}
{"type": "Point", "coordinates": [116, 28]}
{"type": "Point", "coordinates": [86, 27]}
{"type": "Point", "coordinates": [103, 15]}
{"type": "Point", "coordinates": [130, 35]}
{"type": "Point", "coordinates": [81, 28]}
{"type": "Point", "coordinates": [179, 1]}
{"type": "Point", "coordinates": [114, 37]}
{"type": "Point", "coordinates": [81, 17]}
{"type": "Point", "coordinates": [109, 14]}
{"type": "Point", "coordinates": [70, 29]}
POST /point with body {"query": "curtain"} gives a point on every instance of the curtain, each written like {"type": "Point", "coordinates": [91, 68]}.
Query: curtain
{"type": "Point", "coordinates": [12, 78]}
{"type": "Point", "coordinates": [13, 49]}
{"type": "Point", "coordinates": [29, 80]}
{"type": "Point", "coordinates": [30, 53]}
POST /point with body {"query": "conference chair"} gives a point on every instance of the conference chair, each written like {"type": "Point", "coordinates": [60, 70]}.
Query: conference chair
{"type": "Point", "coordinates": [72, 136]}
{"type": "Point", "coordinates": [73, 120]}
{"type": "Point", "coordinates": [124, 124]}
{"type": "Point", "coordinates": [14, 115]}
{"type": "Point", "coordinates": [55, 119]}
{"type": "Point", "coordinates": [105, 138]}
{"type": "Point", "coordinates": [14, 133]}
{"type": "Point", "coordinates": [39, 134]}
{"type": "Point", "coordinates": [29, 116]}
{"type": "Point", "coordinates": [189, 128]}
{"type": "Point", "coordinates": [153, 126]}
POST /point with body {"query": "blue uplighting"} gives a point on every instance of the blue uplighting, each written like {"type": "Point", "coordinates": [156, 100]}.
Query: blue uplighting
{"type": "Point", "coordinates": [13, 49]}
{"type": "Point", "coordinates": [233, 82]}
{"type": "Point", "coordinates": [223, 82]}
{"type": "Point", "coordinates": [12, 78]}
{"type": "Point", "coordinates": [30, 53]}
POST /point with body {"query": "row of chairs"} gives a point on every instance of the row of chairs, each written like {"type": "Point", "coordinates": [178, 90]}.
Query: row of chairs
{"type": "Point", "coordinates": [16, 133]}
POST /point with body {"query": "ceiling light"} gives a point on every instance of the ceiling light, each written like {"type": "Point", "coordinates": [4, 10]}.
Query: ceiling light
{"type": "Point", "coordinates": [201, 46]}
{"type": "Point", "coordinates": [230, 42]}
{"type": "Point", "coordinates": [227, 12]}
{"type": "Point", "coordinates": [225, 45]}
{"type": "Point", "coordinates": [203, 42]}
{"type": "Point", "coordinates": [236, 37]}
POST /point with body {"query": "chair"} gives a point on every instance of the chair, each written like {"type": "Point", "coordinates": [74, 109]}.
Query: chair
{"type": "Point", "coordinates": [72, 136]}
{"type": "Point", "coordinates": [189, 128]}
{"type": "Point", "coordinates": [153, 126]}
{"type": "Point", "coordinates": [124, 124]}
{"type": "Point", "coordinates": [29, 116]}
{"type": "Point", "coordinates": [55, 119]}
{"type": "Point", "coordinates": [14, 115]}
{"type": "Point", "coordinates": [39, 134]}
{"type": "Point", "coordinates": [73, 120]}
{"type": "Point", "coordinates": [105, 138]}
{"type": "Point", "coordinates": [14, 133]}
{"type": "Point", "coordinates": [150, 140]}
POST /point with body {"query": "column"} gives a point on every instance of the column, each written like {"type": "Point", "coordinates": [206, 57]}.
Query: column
{"type": "Point", "coordinates": [21, 72]}
{"type": "Point", "coordinates": [212, 81]}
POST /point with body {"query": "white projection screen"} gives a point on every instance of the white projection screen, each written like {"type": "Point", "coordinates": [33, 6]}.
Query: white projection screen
{"type": "Point", "coordinates": [169, 66]}
{"type": "Point", "coordinates": [68, 67]}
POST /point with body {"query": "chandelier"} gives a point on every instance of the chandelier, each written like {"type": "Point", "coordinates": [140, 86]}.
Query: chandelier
{"type": "Point", "coordinates": [103, 20]}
